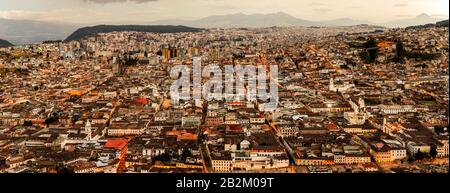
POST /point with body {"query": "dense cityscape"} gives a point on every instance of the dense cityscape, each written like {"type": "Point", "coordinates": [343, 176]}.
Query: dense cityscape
{"type": "Point", "coordinates": [354, 99]}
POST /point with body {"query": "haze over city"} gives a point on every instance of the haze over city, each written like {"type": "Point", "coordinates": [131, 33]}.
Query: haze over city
{"type": "Point", "coordinates": [138, 11]}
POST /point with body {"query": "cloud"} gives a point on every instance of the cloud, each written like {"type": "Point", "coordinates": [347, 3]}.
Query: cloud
{"type": "Point", "coordinates": [119, 1]}
{"type": "Point", "coordinates": [322, 10]}
{"type": "Point", "coordinates": [403, 15]}
{"type": "Point", "coordinates": [440, 16]}
{"type": "Point", "coordinates": [316, 4]}
{"type": "Point", "coordinates": [36, 15]}
{"type": "Point", "coordinates": [401, 5]}
{"type": "Point", "coordinates": [62, 15]}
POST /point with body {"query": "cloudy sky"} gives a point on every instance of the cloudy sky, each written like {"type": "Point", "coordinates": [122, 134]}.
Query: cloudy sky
{"type": "Point", "coordinates": [129, 11]}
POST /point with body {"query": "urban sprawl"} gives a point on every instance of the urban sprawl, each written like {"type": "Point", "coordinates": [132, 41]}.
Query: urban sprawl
{"type": "Point", "coordinates": [350, 100]}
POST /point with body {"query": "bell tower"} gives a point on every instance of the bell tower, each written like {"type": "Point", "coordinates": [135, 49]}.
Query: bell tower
{"type": "Point", "coordinates": [331, 85]}
{"type": "Point", "coordinates": [88, 129]}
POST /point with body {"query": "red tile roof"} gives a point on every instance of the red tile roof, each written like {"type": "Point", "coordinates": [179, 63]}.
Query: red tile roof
{"type": "Point", "coordinates": [118, 144]}
{"type": "Point", "coordinates": [140, 101]}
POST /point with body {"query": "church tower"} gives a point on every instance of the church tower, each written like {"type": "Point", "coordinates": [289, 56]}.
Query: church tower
{"type": "Point", "coordinates": [88, 129]}
{"type": "Point", "coordinates": [331, 85]}
{"type": "Point", "coordinates": [362, 104]}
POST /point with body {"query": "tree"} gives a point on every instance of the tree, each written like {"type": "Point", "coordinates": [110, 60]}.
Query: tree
{"type": "Point", "coordinates": [373, 54]}
{"type": "Point", "coordinates": [438, 130]}
{"type": "Point", "coordinates": [27, 123]}
{"type": "Point", "coordinates": [50, 120]}
{"type": "Point", "coordinates": [64, 170]}
{"type": "Point", "coordinates": [399, 49]}
{"type": "Point", "coordinates": [433, 152]}
{"type": "Point", "coordinates": [399, 52]}
{"type": "Point", "coordinates": [163, 157]}
{"type": "Point", "coordinates": [186, 153]}
{"type": "Point", "coordinates": [419, 156]}
{"type": "Point", "coordinates": [371, 51]}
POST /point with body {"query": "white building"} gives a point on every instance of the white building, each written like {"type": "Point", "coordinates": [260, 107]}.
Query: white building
{"type": "Point", "coordinates": [414, 148]}
{"type": "Point", "coordinates": [339, 88]}
{"type": "Point", "coordinates": [395, 109]}
{"type": "Point", "coordinates": [442, 150]}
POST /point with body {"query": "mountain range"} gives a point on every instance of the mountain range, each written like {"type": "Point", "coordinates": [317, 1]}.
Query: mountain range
{"type": "Point", "coordinates": [28, 31]}
{"type": "Point", "coordinates": [243, 20]}
{"type": "Point", "coordinates": [282, 20]}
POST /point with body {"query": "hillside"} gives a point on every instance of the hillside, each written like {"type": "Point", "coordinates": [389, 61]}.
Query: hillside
{"type": "Point", "coordinates": [4, 44]}
{"type": "Point", "coordinates": [442, 23]}
{"type": "Point", "coordinates": [92, 31]}
{"type": "Point", "coordinates": [437, 24]}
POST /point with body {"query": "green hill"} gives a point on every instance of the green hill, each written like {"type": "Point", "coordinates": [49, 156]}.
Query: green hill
{"type": "Point", "coordinates": [4, 44]}
{"type": "Point", "coordinates": [92, 31]}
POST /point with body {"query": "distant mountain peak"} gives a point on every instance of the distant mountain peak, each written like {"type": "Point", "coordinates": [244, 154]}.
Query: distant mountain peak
{"type": "Point", "coordinates": [421, 19]}
{"type": "Point", "coordinates": [282, 14]}
{"type": "Point", "coordinates": [423, 16]}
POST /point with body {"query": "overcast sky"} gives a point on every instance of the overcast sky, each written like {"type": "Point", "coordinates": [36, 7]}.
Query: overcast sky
{"type": "Point", "coordinates": [127, 11]}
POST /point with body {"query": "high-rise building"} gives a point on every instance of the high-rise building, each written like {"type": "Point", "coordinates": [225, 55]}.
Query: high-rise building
{"type": "Point", "coordinates": [116, 66]}
{"type": "Point", "coordinates": [165, 53]}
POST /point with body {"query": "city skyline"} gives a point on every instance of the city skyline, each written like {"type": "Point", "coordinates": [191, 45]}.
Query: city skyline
{"type": "Point", "coordinates": [141, 11]}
